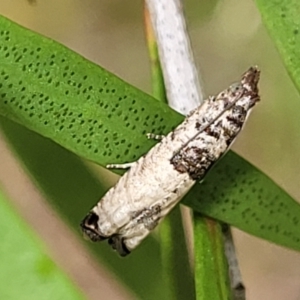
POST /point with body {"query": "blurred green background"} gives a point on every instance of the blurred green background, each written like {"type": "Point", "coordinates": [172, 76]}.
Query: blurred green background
{"type": "Point", "coordinates": [227, 37]}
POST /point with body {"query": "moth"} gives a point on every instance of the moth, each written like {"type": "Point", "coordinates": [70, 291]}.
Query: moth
{"type": "Point", "coordinates": [156, 182]}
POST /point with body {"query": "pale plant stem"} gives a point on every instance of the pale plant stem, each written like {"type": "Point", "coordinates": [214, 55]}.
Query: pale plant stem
{"type": "Point", "coordinates": [180, 75]}
{"type": "Point", "coordinates": [175, 248]}
{"type": "Point", "coordinates": [237, 285]}
{"type": "Point", "coordinates": [183, 90]}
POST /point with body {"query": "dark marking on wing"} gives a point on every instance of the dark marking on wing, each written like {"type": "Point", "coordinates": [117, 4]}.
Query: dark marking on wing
{"type": "Point", "coordinates": [148, 216]}
{"type": "Point", "coordinates": [194, 161]}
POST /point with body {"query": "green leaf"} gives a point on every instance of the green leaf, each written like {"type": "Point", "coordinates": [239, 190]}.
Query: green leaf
{"type": "Point", "coordinates": [211, 269]}
{"type": "Point", "coordinates": [26, 271]}
{"type": "Point", "coordinates": [176, 266]}
{"type": "Point", "coordinates": [57, 93]}
{"type": "Point", "coordinates": [239, 194]}
{"type": "Point", "coordinates": [72, 189]}
{"type": "Point", "coordinates": [283, 23]}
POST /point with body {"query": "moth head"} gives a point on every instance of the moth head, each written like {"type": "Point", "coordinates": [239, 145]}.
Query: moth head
{"type": "Point", "coordinates": [250, 79]}
{"type": "Point", "coordinates": [250, 97]}
{"type": "Point", "coordinates": [242, 106]}
{"type": "Point", "coordinates": [246, 87]}
{"type": "Point", "coordinates": [244, 94]}
{"type": "Point", "coordinates": [249, 82]}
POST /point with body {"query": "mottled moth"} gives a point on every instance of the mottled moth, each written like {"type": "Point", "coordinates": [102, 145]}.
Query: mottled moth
{"type": "Point", "coordinates": [156, 182]}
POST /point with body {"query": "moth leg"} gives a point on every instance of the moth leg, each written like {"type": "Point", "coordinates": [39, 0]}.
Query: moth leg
{"type": "Point", "coordinates": [129, 165]}
{"type": "Point", "coordinates": [154, 136]}
{"type": "Point", "coordinates": [120, 166]}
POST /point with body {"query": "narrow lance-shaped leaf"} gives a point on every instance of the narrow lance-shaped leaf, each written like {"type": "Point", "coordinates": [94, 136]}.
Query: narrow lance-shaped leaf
{"type": "Point", "coordinates": [26, 271]}
{"type": "Point", "coordinates": [212, 280]}
{"type": "Point", "coordinates": [239, 194]}
{"type": "Point", "coordinates": [59, 94]}
{"type": "Point", "coordinates": [283, 23]}
{"type": "Point", "coordinates": [70, 187]}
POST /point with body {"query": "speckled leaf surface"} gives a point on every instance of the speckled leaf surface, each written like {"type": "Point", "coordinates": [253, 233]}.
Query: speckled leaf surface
{"type": "Point", "coordinates": [239, 194]}
{"type": "Point", "coordinates": [26, 271]}
{"type": "Point", "coordinates": [283, 23]}
{"type": "Point", "coordinates": [57, 93]}
{"type": "Point", "coordinates": [61, 95]}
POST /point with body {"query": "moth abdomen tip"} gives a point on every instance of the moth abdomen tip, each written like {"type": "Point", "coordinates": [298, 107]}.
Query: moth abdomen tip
{"type": "Point", "coordinates": [89, 227]}
{"type": "Point", "coordinates": [117, 243]}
